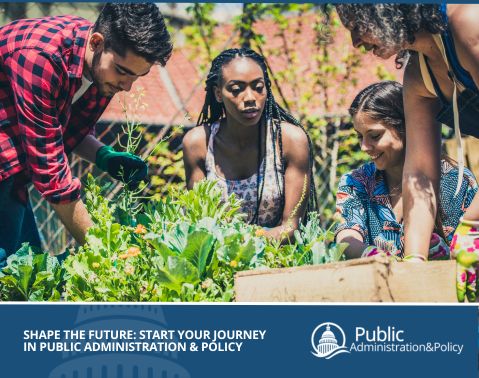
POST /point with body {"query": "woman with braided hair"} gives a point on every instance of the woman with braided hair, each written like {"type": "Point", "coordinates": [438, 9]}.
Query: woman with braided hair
{"type": "Point", "coordinates": [251, 146]}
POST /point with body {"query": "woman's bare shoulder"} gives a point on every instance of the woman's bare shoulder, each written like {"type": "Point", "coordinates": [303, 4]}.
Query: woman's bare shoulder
{"type": "Point", "coordinates": [293, 134]}
{"type": "Point", "coordinates": [195, 141]}
{"type": "Point", "coordinates": [295, 142]}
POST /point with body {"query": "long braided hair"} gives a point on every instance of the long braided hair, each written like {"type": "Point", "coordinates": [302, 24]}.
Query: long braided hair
{"type": "Point", "coordinates": [273, 115]}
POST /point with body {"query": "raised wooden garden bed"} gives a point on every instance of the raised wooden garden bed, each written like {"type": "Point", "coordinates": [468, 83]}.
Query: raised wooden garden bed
{"type": "Point", "coordinates": [363, 280]}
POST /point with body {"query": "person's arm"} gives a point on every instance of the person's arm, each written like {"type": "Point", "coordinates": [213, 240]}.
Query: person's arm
{"type": "Point", "coordinates": [421, 171]}
{"type": "Point", "coordinates": [352, 228]}
{"type": "Point", "coordinates": [296, 182]}
{"type": "Point", "coordinates": [194, 155]}
{"type": "Point", "coordinates": [38, 95]}
{"type": "Point", "coordinates": [88, 148]}
{"type": "Point", "coordinates": [75, 218]}
{"type": "Point", "coordinates": [356, 245]}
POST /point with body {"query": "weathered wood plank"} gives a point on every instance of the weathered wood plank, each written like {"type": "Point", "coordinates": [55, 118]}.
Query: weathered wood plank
{"type": "Point", "coordinates": [362, 280]}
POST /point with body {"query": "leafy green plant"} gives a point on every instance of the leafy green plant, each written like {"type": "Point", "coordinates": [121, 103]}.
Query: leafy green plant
{"type": "Point", "coordinates": [31, 277]}
{"type": "Point", "coordinates": [205, 200]}
{"type": "Point", "coordinates": [187, 247]}
{"type": "Point", "coordinates": [183, 248]}
{"type": "Point", "coordinates": [312, 245]}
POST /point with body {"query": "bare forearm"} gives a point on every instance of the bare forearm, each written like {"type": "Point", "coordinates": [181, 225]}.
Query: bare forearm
{"type": "Point", "coordinates": [422, 166]}
{"type": "Point", "coordinates": [75, 218]}
{"type": "Point", "coordinates": [88, 148]}
{"type": "Point", "coordinates": [419, 213]}
{"type": "Point", "coordinates": [283, 233]}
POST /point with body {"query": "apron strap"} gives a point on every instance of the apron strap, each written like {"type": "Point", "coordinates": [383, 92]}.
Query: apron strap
{"type": "Point", "coordinates": [457, 131]}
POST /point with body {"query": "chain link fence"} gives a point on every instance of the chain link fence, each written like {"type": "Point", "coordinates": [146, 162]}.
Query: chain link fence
{"type": "Point", "coordinates": [54, 236]}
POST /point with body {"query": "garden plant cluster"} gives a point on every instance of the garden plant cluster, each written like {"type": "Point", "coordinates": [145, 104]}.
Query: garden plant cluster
{"type": "Point", "coordinates": [186, 247]}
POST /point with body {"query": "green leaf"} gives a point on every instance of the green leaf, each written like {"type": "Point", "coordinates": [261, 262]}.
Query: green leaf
{"type": "Point", "coordinates": [198, 249]}
{"type": "Point", "coordinates": [41, 278]}
{"type": "Point", "coordinates": [318, 250]}
{"type": "Point", "coordinates": [102, 289]}
{"type": "Point", "coordinates": [40, 262]}
{"type": "Point", "coordinates": [95, 240]}
{"type": "Point", "coordinates": [177, 271]}
{"type": "Point", "coordinates": [36, 295]}
{"type": "Point", "coordinates": [52, 264]}
{"type": "Point", "coordinates": [24, 276]}
{"type": "Point", "coordinates": [178, 238]}
{"type": "Point", "coordinates": [164, 251]}
{"type": "Point", "coordinates": [336, 251]}
{"type": "Point", "coordinates": [24, 250]}
{"type": "Point", "coordinates": [55, 297]}
{"type": "Point", "coordinates": [244, 252]}
{"type": "Point", "coordinates": [143, 219]}
{"type": "Point", "coordinates": [80, 269]}
{"type": "Point", "coordinates": [9, 284]}
{"type": "Point", "coordinates": [159, 245]}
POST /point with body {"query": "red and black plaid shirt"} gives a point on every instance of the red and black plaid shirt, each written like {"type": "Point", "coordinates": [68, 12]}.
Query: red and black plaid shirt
{"type": "Point", "coordinates": [41, 64]}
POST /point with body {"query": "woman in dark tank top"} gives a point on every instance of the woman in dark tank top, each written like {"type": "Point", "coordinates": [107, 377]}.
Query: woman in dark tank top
{"type": "Point", "coordinates": [413, 30]}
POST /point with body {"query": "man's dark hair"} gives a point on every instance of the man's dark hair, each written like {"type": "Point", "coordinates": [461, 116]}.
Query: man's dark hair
{"type": "Point", "coordinates": [138, 27]}
{"type": "Point", "coordinates": [213, 111]}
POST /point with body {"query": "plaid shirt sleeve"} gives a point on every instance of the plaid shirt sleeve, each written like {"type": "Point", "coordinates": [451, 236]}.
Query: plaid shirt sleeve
{"type": "Point", "coordinates": [38, 86]}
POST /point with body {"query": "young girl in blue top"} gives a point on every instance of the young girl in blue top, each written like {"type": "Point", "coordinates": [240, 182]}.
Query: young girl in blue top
{"type": "Point", "coordinates": [369, 199]}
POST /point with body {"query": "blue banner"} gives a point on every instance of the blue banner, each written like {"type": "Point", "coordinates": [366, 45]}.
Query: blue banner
{"type": "Point", "coordinates": [181, 341]}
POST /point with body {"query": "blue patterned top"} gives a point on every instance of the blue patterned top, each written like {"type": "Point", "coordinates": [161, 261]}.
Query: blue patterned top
{"type": "Point", "coordinates": [363, 202]}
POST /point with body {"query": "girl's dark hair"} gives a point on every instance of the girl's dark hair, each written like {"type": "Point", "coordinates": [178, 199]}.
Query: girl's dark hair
{"type": "Point", "coordinates": [382, 102]}
{"type": "Point", "coordinates": [138, 27]}
{"type": "Point", "coordinates": [393, 24]}
{"type": "Point", "coordinates": [273, 115]}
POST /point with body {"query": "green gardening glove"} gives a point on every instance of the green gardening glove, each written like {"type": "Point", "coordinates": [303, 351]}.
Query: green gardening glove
{"type": "Point", "coordinates": [465, 249]}
{"type": "Point", "coordinates": [122, 166]}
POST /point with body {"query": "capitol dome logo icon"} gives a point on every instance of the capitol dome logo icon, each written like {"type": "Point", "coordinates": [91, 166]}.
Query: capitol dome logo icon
{"type": "Point", "coordinates": [325, 343]}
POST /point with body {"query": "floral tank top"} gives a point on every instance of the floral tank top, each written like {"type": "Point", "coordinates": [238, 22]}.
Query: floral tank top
{"type": "Point", "coordinates": [270, 210]}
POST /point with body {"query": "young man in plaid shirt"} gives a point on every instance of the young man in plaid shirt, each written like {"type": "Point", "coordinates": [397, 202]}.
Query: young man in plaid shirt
{"type": "Point", "coordinates": [57, 75]}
